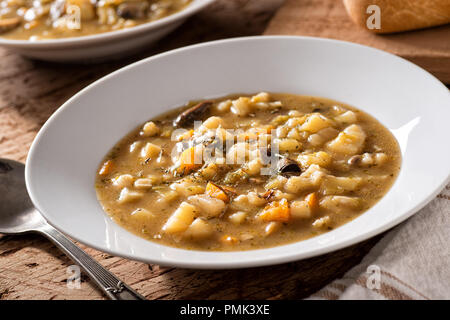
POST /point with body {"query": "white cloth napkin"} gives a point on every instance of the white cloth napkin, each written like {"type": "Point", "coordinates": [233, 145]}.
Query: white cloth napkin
{"type": "Point", "coordinates": [411, 262]}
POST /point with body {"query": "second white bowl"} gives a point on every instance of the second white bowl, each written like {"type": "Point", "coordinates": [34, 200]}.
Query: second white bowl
{"type": "Point", "coordinates": [103, 46]}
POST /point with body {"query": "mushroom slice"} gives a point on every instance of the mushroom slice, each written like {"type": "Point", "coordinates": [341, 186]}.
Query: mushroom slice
{"type": "Point", "coordinates": [193, 113]}
{"type": "Point", "coordinates": [286, 165]}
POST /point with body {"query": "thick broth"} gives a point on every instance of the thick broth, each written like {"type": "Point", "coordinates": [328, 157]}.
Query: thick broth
{"type": "Point", "coordinates": [52, 19]}
{"type": "Point", "coordinates": [333, 163]}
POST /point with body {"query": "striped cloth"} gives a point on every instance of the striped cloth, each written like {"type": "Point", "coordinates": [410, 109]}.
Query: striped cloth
{"type": "Point", "coordinates": [411, 262]}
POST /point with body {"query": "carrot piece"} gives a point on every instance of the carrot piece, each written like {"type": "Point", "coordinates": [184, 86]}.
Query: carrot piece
{"type": "Point", "coordinates": [106, 168]}
{"type": "Point", "coordinates": [276, 211]}
{"type": "Point", "coordinates": [187, 161]}
{"type": "Point", "coordinates": [313, 201]}
{"type": "Point", "coordinates": [215, 191]}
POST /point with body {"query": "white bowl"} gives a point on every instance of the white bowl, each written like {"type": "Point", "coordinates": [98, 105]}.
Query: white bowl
{"type": "Point", "coordinates": [103, 46]}
{"type": "Point", "coordinates": [414, 105]}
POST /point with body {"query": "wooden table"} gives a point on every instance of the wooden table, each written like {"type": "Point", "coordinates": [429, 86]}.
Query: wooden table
{"type": "Point", "coordinates": [32, 268]}
{"type": "Point", "coordinates": [428, 48]}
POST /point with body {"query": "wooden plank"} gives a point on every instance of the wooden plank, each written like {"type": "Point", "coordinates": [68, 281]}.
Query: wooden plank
{"type": "Point", "coordinates": [33, 268]}
{"type": "Point", "coordinates": [429, 48]}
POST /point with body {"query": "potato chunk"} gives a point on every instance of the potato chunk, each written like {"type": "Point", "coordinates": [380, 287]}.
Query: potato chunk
{"type": "Point", "coordinates": [122, 181]}
{"type": "Point", "coordinates": [209, 171]}
{"type": "Point", "coordinates": [181, 219]}
{"type": "Point", "coordinates": [143, 183]}
{"type": "Point", "coordinates": [315, 123]}
{"type": "Point", "coordinates": [255, 199]}
{"type": "Point", "coordinates": [150, 129]}
{"type": "Point", "coordinates": [167, 197]}
{"type": "Point", "coordinates": [288, 145]}
{"type": "Point", "coordinates": [294, 134]}
{"type": "Point", "coordinates": [241, 203]}
{"type": "Point", "coordinates": [322, 223]}
{"type": "Point", "coordinates": [276, 183]}
{"type": "Point", "coordinates": [209, 206]}
{"type": "Point", "coordinates": [347, 117]}
{"type": "Point", "coordinates": [282, 132]}
{"type": "Point", "coordinates": [311, 178]}
{"type": "Point", "coordinates": [150, 151]}
{"type": "Point", "coordinates": [295, 121]}
{"type": "Point", "coordinates": [253, 167]}
{"type": "Point", "coordinates": [261, 97]}
{"type": "Point", "coordinates": [324, 135]}
{"type": "Point", "coordinates": [224, 106]}
{"type": "Point", "coordinates": [87, 9]}
{"type": "Point", "coordinates": [366, 160]}
{"type": "Point", "coordinates": [241, 106]}
{"type": "Point", "coordinates": [320, 158]}
{"type": "Point", "coordinates": [212, 123]}
{"type": "Point", "coordinates": [348, 142]}
{"type": "Point", "coordinates": [238, 217]}
{"type": "Point", "coordinates": [340, 204]}
{"type": "Point", "coordinates": [339, 185]}
{"type": "Point", "coordinates": [142, 215]}
{"type": "Point", "coordinates": [187, 188]}
{"type": "Point", "coordinates": [129, 196]}
{"type": "Point", "coordinates": [300, 210]}
{"type": "Point", "coordinates": [272, 227]}
{"type": "Point", "coordinates": [238, 153]}
{"type": "Point", "coordinates": [199, 229]}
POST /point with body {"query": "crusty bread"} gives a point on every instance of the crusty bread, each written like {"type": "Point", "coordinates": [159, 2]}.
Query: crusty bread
{"type": "Point", "coordinates": [401, 15]}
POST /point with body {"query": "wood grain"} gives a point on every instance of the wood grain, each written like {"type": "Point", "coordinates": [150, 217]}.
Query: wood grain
{"type": "Point", "coordinates": [429, 48]}
{"type": "Point", "coordinates": [33, 268]}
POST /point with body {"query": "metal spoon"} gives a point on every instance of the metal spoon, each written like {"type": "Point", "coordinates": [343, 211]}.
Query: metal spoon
{"type": "Point", "coordinates": [18, 215]}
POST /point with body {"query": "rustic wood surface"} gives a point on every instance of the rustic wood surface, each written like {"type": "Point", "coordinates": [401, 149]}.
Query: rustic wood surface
{"type": "Point", "coordinates": [32, 268]}
{"type": "Point", "coordinates": [429, 48]}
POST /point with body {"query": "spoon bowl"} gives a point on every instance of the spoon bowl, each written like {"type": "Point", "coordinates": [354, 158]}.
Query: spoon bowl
{"type": "Point", "coordinates": [17, 213]}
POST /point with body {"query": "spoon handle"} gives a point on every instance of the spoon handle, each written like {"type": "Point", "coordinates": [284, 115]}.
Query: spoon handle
{"type": "Point", "coordinates": [113, 287]}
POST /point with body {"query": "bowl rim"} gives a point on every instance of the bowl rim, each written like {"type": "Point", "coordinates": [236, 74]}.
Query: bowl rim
{"type": "Point", "coordinates": [262, 260]}
{"type": "Point", "coordinates": [191, 9]}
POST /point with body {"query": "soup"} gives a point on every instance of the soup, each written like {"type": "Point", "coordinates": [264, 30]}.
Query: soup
{"type": "Point", "coordinates": [50, 19]}
{"type": "Point", "coordinates": [247, 172]}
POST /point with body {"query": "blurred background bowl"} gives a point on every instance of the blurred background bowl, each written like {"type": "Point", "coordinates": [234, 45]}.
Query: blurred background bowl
{"type": "Point", "coordinates": [103, 46]}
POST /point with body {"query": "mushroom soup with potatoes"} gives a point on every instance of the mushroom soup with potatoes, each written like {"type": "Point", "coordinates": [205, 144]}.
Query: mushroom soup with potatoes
{"type": "Point", "coordinates": [52, 19]}
{"type": "Point", "coordinates": [247, 172]}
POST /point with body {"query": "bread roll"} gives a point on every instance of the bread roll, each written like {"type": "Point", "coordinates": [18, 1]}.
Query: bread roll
{"type": "Point", "coordinates": [400, 15]}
